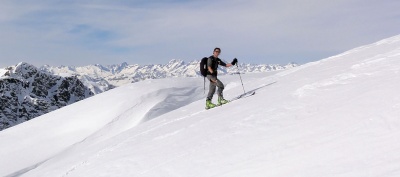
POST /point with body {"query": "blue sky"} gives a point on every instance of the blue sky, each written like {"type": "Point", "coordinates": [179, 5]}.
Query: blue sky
{"type": "Point", "coordinates": [143, 32]}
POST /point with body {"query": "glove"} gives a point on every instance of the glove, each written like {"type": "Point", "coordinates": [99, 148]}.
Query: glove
{"type": "Point", "coordinates": [234, 61]}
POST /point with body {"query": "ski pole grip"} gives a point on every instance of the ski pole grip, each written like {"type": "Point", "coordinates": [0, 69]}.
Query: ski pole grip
{"type": "Point", "coordinates": [234, 62]}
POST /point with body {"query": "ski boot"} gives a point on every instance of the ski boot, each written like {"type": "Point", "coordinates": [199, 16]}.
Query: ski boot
{"type": "Point", "coordinates": [222, 101]}
{"type": "Point", "coordinates": [210, 105]}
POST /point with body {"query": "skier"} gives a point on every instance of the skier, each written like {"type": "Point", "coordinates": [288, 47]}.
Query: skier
{"type": "Point", "coordinates": [212, 66]}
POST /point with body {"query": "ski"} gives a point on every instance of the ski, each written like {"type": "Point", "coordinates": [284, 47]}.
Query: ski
{"type": "Point", "coordinates": [244, 95]}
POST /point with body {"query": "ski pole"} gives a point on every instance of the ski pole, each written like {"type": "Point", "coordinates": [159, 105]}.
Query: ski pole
{"type": "Point", "coordinates": [204, 85]}
{"type": "Point", "coordinates": [240, 78]}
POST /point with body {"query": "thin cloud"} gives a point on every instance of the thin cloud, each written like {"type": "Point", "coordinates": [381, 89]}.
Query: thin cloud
{"type": "Point", "coordinates": [87, 32]}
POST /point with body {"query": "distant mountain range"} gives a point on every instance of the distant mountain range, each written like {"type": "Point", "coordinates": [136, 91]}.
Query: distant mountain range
{"type": "Point", "coordinates": [101, 78]}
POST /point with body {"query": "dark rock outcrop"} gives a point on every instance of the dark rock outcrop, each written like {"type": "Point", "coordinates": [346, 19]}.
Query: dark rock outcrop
{"type": "Point", "coordinates": [26, 93]}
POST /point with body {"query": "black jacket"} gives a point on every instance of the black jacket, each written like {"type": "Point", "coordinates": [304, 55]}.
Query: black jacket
{"type": "Point", "coordinates": [214, 62]}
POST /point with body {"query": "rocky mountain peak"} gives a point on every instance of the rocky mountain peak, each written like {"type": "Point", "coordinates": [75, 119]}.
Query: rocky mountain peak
{"type": "Point", "coordinates": [27, 92]}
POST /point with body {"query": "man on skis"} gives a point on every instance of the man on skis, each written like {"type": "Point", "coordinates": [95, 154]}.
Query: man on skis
{"type": "Point", "coordinates": [212, 66]}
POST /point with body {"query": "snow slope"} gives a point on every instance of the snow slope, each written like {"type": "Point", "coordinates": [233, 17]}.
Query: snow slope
{"type": "Point", "coordinates": [335, 117]}
{"type": "Point", "coordinates": [2, 71]}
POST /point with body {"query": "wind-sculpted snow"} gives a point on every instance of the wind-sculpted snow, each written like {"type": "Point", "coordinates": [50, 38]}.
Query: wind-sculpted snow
{"type": "Point", "coordinates": [98, 118]}
{"type": "Point", "coordinates": [335, 117]}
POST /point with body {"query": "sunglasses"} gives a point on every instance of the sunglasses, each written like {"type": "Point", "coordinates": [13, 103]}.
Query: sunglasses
{"type": "Point", "coordinates": [217, 51]}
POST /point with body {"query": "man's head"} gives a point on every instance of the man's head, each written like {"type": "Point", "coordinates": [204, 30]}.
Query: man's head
{"type": "Point", "coordinates": [217, 51]}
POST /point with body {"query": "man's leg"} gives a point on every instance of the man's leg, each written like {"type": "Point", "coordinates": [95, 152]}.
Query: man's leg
{"type": "Point", "coordinates": [221, 87]}
{"type": "Point", "coordinates": [211, 92]}
{"type": "Point", "coordinates": [213, 86]}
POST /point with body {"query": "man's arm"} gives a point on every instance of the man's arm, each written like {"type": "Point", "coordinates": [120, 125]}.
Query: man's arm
{"type": "Point", "coordinates": [233, 63]}
{"type": "Point", "coordinates": [209, 64]}
{"type": "Point", "coordinates": [224, 64]}
{"type": "Point", "coordinates": [210, 69]}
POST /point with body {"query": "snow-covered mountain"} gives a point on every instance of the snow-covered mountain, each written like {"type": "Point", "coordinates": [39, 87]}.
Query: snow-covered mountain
{"type": "Point", "coordinates": [26, 92]}
{"type": "Point", "coordinates": [335, 117]}
{"type": "Point", "coordinates": [36, 91]}
{"type": "Point", "coordinates": [102, 78]}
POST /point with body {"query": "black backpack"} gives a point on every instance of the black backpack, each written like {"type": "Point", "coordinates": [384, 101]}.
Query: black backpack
{"type": "Point", "coordinates": [203, 66]}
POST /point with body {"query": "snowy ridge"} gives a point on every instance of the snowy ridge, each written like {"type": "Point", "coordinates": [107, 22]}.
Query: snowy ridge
{"type": "Point", "coordinates": [26, 93]}
{"type": "Point", "coordinates": [102, 78]}
{"type": "Point", "coordinates": [2, 72]}
{"type": "Point", "coordinates": [335, 117]}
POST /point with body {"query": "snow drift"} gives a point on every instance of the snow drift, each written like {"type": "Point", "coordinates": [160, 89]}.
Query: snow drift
{"type": "Point", "coordinates": [334, 117]}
